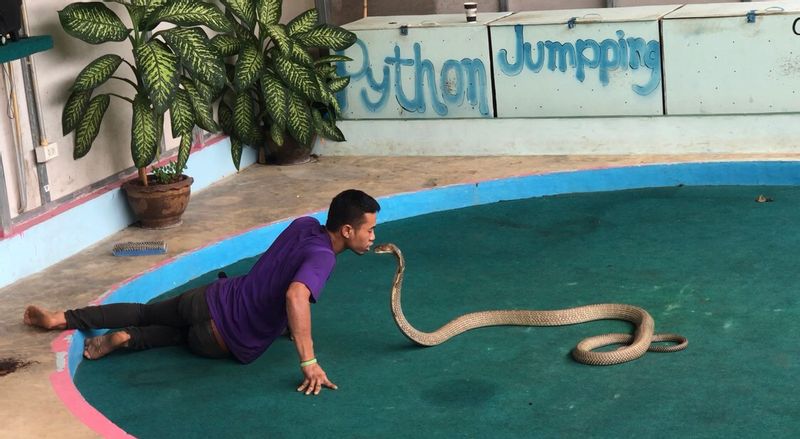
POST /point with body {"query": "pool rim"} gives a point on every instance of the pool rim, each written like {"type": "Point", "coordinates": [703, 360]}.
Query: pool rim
{"type": "Point", "coordinates": [181, 268]}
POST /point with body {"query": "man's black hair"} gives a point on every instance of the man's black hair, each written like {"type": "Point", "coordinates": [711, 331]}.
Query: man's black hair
{"type": "Point", "coordinates": [349, 207]}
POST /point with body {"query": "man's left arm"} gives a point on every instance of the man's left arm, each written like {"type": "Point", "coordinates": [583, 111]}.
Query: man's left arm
{"type": "Point", "coordinates": [298, 310]}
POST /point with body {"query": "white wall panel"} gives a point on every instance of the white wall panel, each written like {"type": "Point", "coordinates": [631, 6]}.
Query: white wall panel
{"type": "Point", "coordinates": [537, 5]}
{"type": "Point", "coordinates": [9, 149]}
{"type": "Point", "coordinates": [716, 62]}
{"type": "Point", "coordinates": [440, 68]}
{"type": "Point", "coordinates": [591, 62]}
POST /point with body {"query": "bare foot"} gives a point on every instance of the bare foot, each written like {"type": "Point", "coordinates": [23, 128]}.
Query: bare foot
{"type": "Point", "coordinates": [42, 318]}
{"type": "Point", "coordinates": [100, 346]}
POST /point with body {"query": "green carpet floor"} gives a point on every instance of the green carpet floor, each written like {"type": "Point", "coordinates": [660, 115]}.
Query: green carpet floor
{"type": "Point", "coordinates": [707, 262]}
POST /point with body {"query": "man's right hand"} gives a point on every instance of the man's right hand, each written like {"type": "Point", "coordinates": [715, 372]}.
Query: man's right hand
{"type": "Point", "coordinates": [315, 378]}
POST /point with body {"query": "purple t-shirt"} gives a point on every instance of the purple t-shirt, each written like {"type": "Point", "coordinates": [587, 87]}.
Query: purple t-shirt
{"type": "Point", "coordinates": [250, 311]}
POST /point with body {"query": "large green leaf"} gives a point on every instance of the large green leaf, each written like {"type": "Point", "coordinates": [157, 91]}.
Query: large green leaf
{"type": "Point", "coordinates": [194, 49]}
{"type": "Point", "coordinates": [326, 128]}
{"type": "Point", "coordinates": [244, 118]}
{"type": "Point", "coordinates": [236, 152]}
{"type": "Point", "coordinates": [276, 97]}
{"type": "Point", "coordinates": [150, 5]}
{"type": "Point", "coordinates": [303, 22]}
{"type": "Point", "coordinates": [327, 37]}
{"type": "Point", "coordinates": [327, 59]}
{"type": "Point", "coordinates": [268, 12]}
{"type": "Point", "coordinates": [144, 9]}
{"type": "Point", "coordinates": [248, 67]}
{"type": "Point", "coordinates": [226, 45]}
{"type": "Point", "coordinates": [338, 84]}
{"type": "Point", "coordinates": [96, 73]}
{"type": "Point", "coordinates": [325, 70]}
{"type": "Point", "coordinates": [89, 126]}
{"type": "Point", "coordinates": [230, 72]}
{"type": "Point", "coordinates": [299, 120]}
{"type": "Point", "coordinates": [276, 133]}
{"type": "Point", "coordinates": [244, 9]}
{"type": "Point", "coordinates": [74, 109]}
{"type": "Point", "coordinates": [158, 67]}
{"type": "Point", "coordinates": [277, 33]}
{"type": "Point", "coordinates": [225, 116]}
{"type": "Point", "coordinates": [145, 132]}
{"type": "Point", "coordinates": [300, 79]}
{"type": "Point", "coordinates": [137, 13]}
{"type": "Point", "coordinates": [92, 22]}
{"type": "Point", "coordinates": [191, 13]}
{"type": "Point", "coordinates": [184, 150]}
{"type": "Point", "coordinates": [241, 31]}
{"type": "Point", "coordinates": [181, 113]}
{"type": "Point", "coordinates": [300, 54]}
{"type": "Point", "coordinates": [203, 113]}
{"type": "Point", "coordinates": [326, 95]}
{"type": "Point", "coordinates": [207, 92]}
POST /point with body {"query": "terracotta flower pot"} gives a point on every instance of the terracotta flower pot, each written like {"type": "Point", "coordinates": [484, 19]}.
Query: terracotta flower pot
{"type": "Point", "coordinates": [158, 206]}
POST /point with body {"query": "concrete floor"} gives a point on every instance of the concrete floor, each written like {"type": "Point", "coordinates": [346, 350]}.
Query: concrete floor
{"type": "Point", "coordinates": [260, 194]}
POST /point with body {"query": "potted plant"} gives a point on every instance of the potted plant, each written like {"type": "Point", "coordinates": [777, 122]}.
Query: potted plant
{"type": "Point", "coordinates": [278, 94]}
{"type": "Point", "coordinates": [172, 69]}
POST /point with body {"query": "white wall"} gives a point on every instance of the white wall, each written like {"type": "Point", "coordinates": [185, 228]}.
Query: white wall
{"type": "Point", "coordinates": [57, 69]}
{"type": "Point", "coordinates": [8, 139]}
{"type": "Point", "coordinates": [536, 5]}
{"type": "Point", "coordinates": [723, 134]}
{"type": "Point", "coordinates": [110, 154]}
{"type": "Point", "coordinates": [292, 8]}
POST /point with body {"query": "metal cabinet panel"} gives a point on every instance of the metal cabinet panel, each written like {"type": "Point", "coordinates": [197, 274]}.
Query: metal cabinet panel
{"type": "Point", "coordinates": [733, 9]}
{"type": "Point", "coordinates": [579, 63]}
{"type": "Point", "coordinates": [408, 67]}
{"type": "Point", "coordinates": [732, 64]}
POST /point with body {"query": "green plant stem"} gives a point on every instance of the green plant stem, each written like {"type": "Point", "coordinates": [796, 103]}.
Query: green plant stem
{"type": "Point", "coordinates": [131, 65]}
{"type": "Point", "coordinates": [120, 97]}
{"type": "Point", "coordinates": [143, 176]}
{"type": "Point", "coordinates": [126, 80]}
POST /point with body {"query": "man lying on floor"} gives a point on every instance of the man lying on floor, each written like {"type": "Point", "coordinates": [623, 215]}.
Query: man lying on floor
{"type": "Point", "coordinates": [239, 316]}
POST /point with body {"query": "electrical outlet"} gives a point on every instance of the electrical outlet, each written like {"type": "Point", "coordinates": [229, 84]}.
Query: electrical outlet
{"type": "Point", "coordinates": [46, 152]}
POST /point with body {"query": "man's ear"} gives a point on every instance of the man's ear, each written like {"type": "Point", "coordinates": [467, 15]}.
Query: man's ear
{"type": "Point", "coordinates": [347, 231]}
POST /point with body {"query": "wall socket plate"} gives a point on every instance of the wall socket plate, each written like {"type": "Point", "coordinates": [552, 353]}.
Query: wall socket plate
{"type": "Point", "coordinates": [46, 152]}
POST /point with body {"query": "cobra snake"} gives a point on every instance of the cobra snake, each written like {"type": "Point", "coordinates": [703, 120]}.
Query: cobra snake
{"type": "Point", "coordinates": [634, 346]}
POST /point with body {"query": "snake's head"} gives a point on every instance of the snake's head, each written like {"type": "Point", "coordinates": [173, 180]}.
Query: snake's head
{"type": "Point", "coordinates": [386, 248]}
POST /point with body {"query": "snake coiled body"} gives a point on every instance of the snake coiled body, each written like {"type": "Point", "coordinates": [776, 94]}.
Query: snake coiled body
{"type": "Point", "coordinates": [634, 346]}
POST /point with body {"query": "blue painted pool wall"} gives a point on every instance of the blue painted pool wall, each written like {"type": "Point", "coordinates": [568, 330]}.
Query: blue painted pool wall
{"type": "Point", "coordinates": [81, 226]}
{"type": "Point", "coordinates": [396, 207]}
